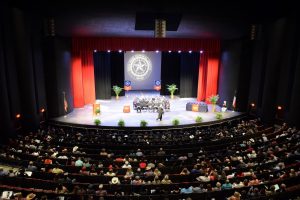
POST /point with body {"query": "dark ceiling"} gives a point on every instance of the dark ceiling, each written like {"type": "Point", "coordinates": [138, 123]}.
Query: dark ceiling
{"type": "Point", "coordinates": [185, 19]}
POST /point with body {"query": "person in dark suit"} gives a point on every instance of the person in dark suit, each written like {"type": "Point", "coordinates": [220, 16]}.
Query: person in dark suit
{"type": "Point", "coordinates": [160, 113]}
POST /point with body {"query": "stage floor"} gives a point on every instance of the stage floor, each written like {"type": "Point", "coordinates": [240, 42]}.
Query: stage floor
{"type": "Point", "coordinates": [112, 112]}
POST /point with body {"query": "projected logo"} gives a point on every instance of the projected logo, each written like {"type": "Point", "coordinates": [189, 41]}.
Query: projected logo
{"type": "Point", "coordinates": [139, 67]}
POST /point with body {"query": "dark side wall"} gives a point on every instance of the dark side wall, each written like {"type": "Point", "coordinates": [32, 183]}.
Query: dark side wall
{"type": "Point", "coordinates": [22, 88]}
{"type": "Point", "coordinates": [264, 71]}
{"type": "Point", "coordinates": [57, 62]}
{"type": "Point", "coordinates": [27, 69]}
{"type": "Point", "coordinates": [275, 71]}
{"type": "Point", "coordinates": [229, 70]}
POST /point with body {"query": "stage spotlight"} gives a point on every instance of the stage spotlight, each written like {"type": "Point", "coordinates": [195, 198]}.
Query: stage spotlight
{"type": "Point", "coordinates": [132, 51]}
{"type": "Point", "coordinates": [18, 116]}
{"type": "Point", "coordinates": [156, 51]}
{"type": "Point", "coordinates": [95, 50]}
{"type": "Point", "coordinates": [120, 51]}
{"type": "Point", "coordinates": [179, 51]}
{"type": "Point", "coordinates": [252, 105]}
{"type": "Point", "coordinates": [190, 51]}
{"type": "Point", "coordinates": [279, 108]}
{"type": "Point", "coordinates": [108, 51]}
{"type": "Point", "coordinates": [201, 51]}
{"type": "Point", "coordinates": [143, 51]}
{"type": "Point", "coordinates": [169, 51]}
{"type": "Point", "coordinates": [42, 110]}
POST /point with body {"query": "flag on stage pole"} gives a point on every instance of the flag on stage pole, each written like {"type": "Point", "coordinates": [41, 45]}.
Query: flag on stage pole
{"type": "Point", "coordinates": [65, 102]}
{"type": "Point", "coordinates": [234, 102]}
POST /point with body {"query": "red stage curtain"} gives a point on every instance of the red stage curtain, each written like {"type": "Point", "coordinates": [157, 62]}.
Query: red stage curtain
{"type": "Point", "coordinates": [208, 75]}
{"type": "Point", "coordinates": [83, 81]}
{"type": "Point", "coordinates": [202, 77]}
{"type": "Point", "coordinates": [88, 77]}
{"type": "Point", "coordinates": [147, 44]}
{"type": "Point", "coordinates": [212, 75]}
{"type": "Point", "coordinates": [77, 86]}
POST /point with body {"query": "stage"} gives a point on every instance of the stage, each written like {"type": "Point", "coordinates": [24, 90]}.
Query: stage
{"type": "Point", "coordinates": [112, 112]}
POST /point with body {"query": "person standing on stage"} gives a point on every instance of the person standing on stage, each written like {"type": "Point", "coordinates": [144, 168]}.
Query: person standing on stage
{"type": "Point", "coordinates": [160, 113]}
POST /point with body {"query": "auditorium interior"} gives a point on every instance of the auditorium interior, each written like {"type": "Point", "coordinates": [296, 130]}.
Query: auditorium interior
{"type": "Point", "coordinates": [149, 100]}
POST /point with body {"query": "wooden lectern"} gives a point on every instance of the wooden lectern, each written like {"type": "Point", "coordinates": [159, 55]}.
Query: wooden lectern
{"type": "Point", "coordinates": [96, 106]}
{"type": "Point", "coordinates": [126, 109]}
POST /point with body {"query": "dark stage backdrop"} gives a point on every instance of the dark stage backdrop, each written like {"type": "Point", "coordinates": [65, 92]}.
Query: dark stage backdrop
{"type": "Point", "coordinates": [102, 71]}
{"type": "Point", "coordinates": [109, 71]}
{"type": "Point", "coordinates": [170, 71]}
{"type": "Point", "coordinates": [181, 69]}
{"type": "Point", "coordinates": [117, 69]}
{"type": "Point", "coordinates": [189, 67]}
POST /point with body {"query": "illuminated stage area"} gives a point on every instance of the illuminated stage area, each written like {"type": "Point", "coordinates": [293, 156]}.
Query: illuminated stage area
{"type": "Point", "coordinates": [112, 112]}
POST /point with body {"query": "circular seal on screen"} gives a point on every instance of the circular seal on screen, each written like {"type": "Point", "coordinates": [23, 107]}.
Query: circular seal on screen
{"type": "Point", "coordinates": [157, 83]}
{"type": "Point", "coordinates": [139, 67]}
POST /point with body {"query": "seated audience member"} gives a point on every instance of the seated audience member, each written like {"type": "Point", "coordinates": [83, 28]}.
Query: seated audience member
{"type": "Point", "coordinates": [139, 153]}
{"type": "Point", "coordinates": [186, 190]}
{"type": "Point", "coordinates": [101, 192]}
{"type": "Point", "coordinates": [3, 172]}
{"type": "Point", "coordinates": [166, 180]}
{"type": "Point", "coordinates": [79, 162]}
{"type": "Point", "coordinates": [137, 181]}
{"type": "Point", "coordinates": [110, 172]}
{"type": "Point", "coordinates": [227, 185]}
{"type": "Point", "coordinates": [199, 189]}
{"type": "Point", "coordinates": [185, 171]}
{"type": "Point", "coordinates": [47, 161]}
{"type": "Point", "coordinates": [156, 180]}
{"type": "Point", "coordinates": [156, 172]}
{"type": "Point", "coordinates": [161, 152]}
{"type": "Point", "coordinates": [61, 189]}
{"type": "Point", "coordinates": [31, 166]}
{"type": "Point", "coordinates": [126, 165]}
{"type": "Point", "coordinates": [57, 170]}
{"type": "Point", "coordinates": [103, 152]}
{"type": "Point", "coordinates": [235, 196]}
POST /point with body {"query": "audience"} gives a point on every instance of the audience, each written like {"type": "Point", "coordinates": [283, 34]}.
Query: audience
{"type": "Point", "coordinates": [248, 162]}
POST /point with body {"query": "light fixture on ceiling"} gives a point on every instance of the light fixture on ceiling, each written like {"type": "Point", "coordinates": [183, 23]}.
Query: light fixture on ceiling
{"type": "Point", "coordinates": [160, 28]}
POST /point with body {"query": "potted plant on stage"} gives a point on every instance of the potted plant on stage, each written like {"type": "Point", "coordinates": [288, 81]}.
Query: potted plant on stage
{"type": "Point", "coordinates": [175, 122]}
{"type": "Point", "coordinates": [219, 116]}
{"type": "Point", "coordinates": [172, 88]}
{"type": "Point", "coordinates": [121, 123]}
{"type": "Point", "coordinates": [97, 122]}
{"type": "Point", "coordinates": [198, 119]}
{"type": "Point", "coordinates": [97, 111]}
{"type": "Point", "coordinates": [117, 90]}
{"type": "Point", "coordinates": [143, 123]}
{"type": "Point", "coordinates": [213, 99]}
